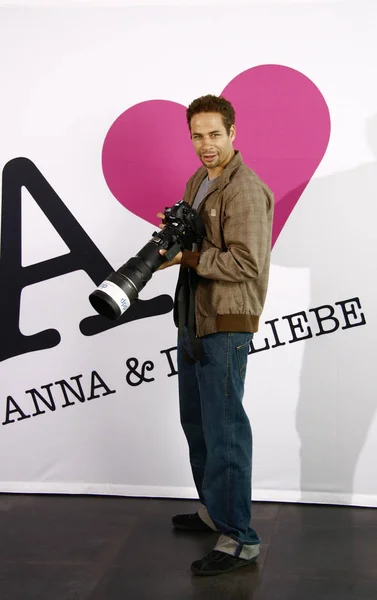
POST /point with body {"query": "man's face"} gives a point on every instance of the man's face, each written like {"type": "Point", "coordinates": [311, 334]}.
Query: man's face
{"type": "Point", "coordinates": [211, 142]}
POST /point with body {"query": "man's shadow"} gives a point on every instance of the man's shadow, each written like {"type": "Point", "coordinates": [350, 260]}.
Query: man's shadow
{"type": "Point", "coordinates": [335, 219]}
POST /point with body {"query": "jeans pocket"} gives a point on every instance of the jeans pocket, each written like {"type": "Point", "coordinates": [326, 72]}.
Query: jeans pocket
{"type": "Point", "coordinates": [242, 352]}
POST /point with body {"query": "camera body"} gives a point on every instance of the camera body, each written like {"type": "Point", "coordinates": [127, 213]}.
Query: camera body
{"type": "Point", "coordinates": [183, 228]}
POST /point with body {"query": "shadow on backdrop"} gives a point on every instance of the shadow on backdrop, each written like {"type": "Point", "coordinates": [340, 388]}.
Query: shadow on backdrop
{"type": "Point", "coordinates": [336, 221]}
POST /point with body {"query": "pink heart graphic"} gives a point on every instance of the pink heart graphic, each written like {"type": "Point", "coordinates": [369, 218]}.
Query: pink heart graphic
{"type": "Point", "coordinates": [283, 129]}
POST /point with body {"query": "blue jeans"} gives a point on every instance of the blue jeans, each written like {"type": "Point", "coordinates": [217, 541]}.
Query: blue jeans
{"type": "Point", "coordinates": [218, 431]}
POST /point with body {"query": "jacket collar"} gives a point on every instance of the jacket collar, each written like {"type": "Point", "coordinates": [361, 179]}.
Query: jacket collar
{"type": "Point", "coordinates": [230, 168]}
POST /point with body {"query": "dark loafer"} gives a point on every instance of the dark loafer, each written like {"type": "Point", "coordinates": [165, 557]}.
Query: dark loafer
{"type": "Point", "coordinates": [190, 522]}
{"type": "Point", "coordinates": [217, 563]}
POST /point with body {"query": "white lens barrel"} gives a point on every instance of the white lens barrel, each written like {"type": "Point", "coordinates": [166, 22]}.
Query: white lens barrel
{"type": "Point", "coordinates": [117, 294]}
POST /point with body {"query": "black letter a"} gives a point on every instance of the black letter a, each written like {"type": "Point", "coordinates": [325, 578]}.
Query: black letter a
{"type": "Point", "coordinates": [83, 254]}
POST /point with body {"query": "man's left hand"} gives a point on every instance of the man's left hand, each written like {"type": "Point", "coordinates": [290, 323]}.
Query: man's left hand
{"type": "Point", "coordinates": [175, 261]}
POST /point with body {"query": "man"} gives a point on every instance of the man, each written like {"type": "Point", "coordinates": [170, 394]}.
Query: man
{"type": "Point", "coordinates": [219, 298]}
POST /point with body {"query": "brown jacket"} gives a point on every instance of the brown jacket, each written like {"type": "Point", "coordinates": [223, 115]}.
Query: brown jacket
{"type": "Point", "coordinates": [234, 259]}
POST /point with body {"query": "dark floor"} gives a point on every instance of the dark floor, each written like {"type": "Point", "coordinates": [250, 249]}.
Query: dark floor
{"type": "Point", "coordinates": [112, 548]}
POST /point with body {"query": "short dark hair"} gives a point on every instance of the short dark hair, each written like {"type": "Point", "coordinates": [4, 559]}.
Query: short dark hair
{"type": "Point", "coordinates": [216, 104]}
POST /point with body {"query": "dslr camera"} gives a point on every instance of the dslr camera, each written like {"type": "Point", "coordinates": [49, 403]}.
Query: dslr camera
{"type": "Point", "coordinates": [183, 228]}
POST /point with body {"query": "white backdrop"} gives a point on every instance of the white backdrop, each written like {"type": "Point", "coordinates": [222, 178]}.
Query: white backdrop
{"type": "Point", "coordinates": [67, 73]}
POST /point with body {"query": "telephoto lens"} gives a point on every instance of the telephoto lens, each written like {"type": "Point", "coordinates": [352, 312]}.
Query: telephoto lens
{"type": "Point", "coordinates": [183, 227]}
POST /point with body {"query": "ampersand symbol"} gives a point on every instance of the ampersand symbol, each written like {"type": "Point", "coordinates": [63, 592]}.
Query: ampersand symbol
{"type": "Point", "coordinates": [132, 364]}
